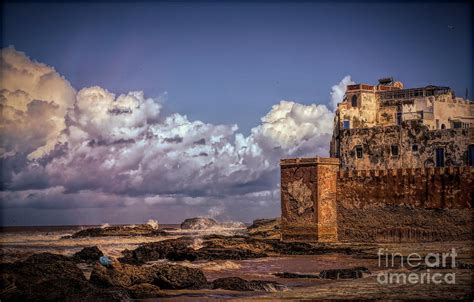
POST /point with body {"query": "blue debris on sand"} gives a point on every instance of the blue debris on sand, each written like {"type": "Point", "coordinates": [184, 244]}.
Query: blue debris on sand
{"type": "Point", "coordinates": [105, 261]}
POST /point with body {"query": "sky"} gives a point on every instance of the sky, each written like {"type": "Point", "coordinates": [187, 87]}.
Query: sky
{"type": "Point", "coordinates": [121, 112]}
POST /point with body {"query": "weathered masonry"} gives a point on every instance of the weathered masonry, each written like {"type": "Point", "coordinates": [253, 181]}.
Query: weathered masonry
{"type": "Point", "coordinates": [401, 169]}
{"type": "Point", "coordinates": [308, 195]}
{"type": "Point", "coordinates": [322, 204]}
{"type": "Point", "coordinates": [389, 127]}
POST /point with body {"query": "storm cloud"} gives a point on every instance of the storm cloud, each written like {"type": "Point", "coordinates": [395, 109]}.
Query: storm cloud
{"type": "Point", "coordinates": [92, 149]}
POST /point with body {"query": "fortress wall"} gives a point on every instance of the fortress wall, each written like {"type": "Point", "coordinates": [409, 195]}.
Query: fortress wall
{"type": "Point", "coordinates": [376, 143]}
{"type": "Point", "coordinates": [425, 204]}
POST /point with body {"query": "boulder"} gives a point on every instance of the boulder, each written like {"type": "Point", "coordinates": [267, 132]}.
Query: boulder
{"type": "Point", "coordinates": [173, 249]}
{"type": "Point", "coordinates": [51, 277]}
{"type": "Point", "coordinates": [71, 290]}
{"type": "Point", "coordinates": [144, 291]}
{"type": "Point", "coordinates": [120, 275]}
{"type": "Point", "coordinates": [88, 254]}
{"type": "Point", "coordinates": [178, 277]}
{"type": "Point", "coordinates": [198, 223]}
{"type": "Point", "coordinates": [164, 276]}
{"type": "Point", "coordinates": [239, 284]}
{"type": "Point", "coordinates": [346, 273]}
{"type": "Point", "coordinates": [42, 267]}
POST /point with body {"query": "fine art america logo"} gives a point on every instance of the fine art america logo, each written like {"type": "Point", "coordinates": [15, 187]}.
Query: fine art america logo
{"type": "Point", "coordinates": [416, 261]}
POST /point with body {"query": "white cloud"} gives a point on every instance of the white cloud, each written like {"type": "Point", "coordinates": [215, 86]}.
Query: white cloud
{"type": "Point", "coordinates": [34, 99]}
{"type": "Point", "coordinates": [338, 91]}
{"type": "Point", "coordinates": [124, 149]}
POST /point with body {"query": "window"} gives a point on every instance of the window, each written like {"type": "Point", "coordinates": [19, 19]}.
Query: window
{"type": "Point", "coordinates": [399, 118]}
{"type": "Point", "coordinates": [470, 155]}
{"type": "Point", "coordinates": [457, 125]}
{"type": "Point", "coordinates": [443, 126]}
{"type": "Point", "coordinates": [439, 157]}
{"type": "Point", "coordinates": [359, 151]}
{"type": "Point", "coordinates": [414, 148]}
{"type": "Point", "coordinates": [354, 101]}
{"type": "Point", "coordinates": [346, 124]}
{"type": "Point", "coordinates": [394, 150]}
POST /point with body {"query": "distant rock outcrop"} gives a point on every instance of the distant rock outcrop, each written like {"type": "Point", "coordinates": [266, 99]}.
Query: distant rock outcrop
{"type": "Point", "coordinates": [265, 228]}
{"type": "Point", "coordinates": [198, 223]}
{"type": "Point", "coordinates": [203, 223]}
{"type": "Point", "coordinates": [120, 230]}
{"type": "Point", "coordinates": [181, 249]}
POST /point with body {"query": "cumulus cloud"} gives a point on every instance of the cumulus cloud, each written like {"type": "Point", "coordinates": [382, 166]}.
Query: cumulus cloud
{"type": "Point", "coordinates": [95, 149]}
{"type": "Point", "coordinates": [34, 99]}
{"type": "Point", "coordinates": [338, 91]}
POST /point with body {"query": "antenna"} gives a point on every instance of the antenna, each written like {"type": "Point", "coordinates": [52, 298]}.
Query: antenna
{"type": "Point", "coordinates": [467, 93]}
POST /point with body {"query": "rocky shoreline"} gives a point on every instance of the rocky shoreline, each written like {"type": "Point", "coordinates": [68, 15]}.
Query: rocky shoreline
{"type": "Point", "coordinates": [159, 269]}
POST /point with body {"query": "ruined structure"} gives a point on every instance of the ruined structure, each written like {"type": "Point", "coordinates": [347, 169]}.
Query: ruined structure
{"type": "Point", "coordinates": [400, 170]}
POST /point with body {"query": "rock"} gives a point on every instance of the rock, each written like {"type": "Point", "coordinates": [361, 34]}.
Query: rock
{"type": "Point", "coordinates": [42, 267]}
{"type": "Point", "coordinates": [226, 254]}
{"type": "Point", "coordinates": [346, 273]}
{"type": "Point", "coordinates": [232, 225]}
{"type": "Point", "coordinates": [265, 228]}
{"type": "Point", "coordinates": [88, 254]}
{"type": "Point", "coordinates": [51, 277]}
{"type": "Point", "coordinates": [164, 276]}
{"type": "Point", "coordinates": [296, 275]}
{"type": "Point", "coordinates": [120, 275]}
{"type": "Point", "coordinates": [173, 249]}
{"type": "Point", "coordinates": [264, 222]}
{"type": "Point", "coordinates": [179, 277]}
{"type": "Point", "coordinates": [180, 249]}
{"type": "Point", "coordinates": [144, 291]}
{"type": "Point", "coordinates": [71, 290]}
{"type": "Point", "coordinates": [239, 284]}
{"type": "Point", "coordinates": [135, 230]}
{"type": "Point", "coordinates": [198, 223]}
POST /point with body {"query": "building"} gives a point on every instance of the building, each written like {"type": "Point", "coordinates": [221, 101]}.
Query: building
{"type": "Point", "coordinates": [401, 169]}
{"type": "Point", "coordinates": [387, 126]}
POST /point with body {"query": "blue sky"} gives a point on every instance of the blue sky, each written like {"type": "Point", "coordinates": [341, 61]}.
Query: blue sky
{"type": "Point", "coordinates": [230, 62]}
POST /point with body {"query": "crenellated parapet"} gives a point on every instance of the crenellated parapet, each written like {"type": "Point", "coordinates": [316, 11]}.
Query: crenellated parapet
{"type": "Point", "coordinates": [320, 202]}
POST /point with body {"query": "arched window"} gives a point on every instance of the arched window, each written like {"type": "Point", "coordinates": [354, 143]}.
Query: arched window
{"type": "Point", "coordinates": [443, 126]}
{"type": "Point", "coordinates": [354, 100]}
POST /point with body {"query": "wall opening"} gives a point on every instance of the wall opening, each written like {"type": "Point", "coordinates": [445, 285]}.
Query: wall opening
{"type": "Point", "coordinates": [346, 124]}
{"type": "Point", "coordinates": [354, 101]}
{"type": "Point", "coordinates": [359, 151]}
{"type": "Point", "coordinates": [439, 157]}
{"type": "Point", "coordinates": [394, 150]}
